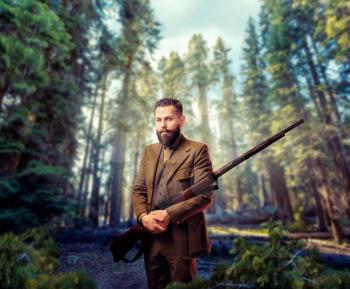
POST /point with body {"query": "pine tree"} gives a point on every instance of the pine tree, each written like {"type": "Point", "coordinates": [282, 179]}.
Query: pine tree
{"type": "Point", "coordinates": [198, 67]}
{"type": "Point", "coordinates": [45, 112]}
{"type": "Point", "coordinates": [139, 36]}
{"type": "Point", "coordinates": [289, 56]}
{"type": "Point", "coordinates": [227, 111]}
{"type": "Point", "coordinates": [255, 97]}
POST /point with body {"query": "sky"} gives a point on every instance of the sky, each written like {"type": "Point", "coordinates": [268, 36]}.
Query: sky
{"type": "Point", "coordinates": [180, 19]}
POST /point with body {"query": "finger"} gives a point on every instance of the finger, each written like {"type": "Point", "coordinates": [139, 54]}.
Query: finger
{"type": "Point", "coordinates": [158, 218]}
{"type": "Point", "coordinates": [159, 228]}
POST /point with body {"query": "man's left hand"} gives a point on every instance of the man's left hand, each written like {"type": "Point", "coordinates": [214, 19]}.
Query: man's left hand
{"type": "Point", "coordinates": [162, 217]}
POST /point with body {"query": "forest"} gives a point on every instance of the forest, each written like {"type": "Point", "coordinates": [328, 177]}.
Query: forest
{"type": "Point", "coordinates": [76, 110]}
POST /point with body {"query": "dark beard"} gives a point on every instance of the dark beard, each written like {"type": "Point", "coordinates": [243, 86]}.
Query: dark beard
{"type": "Point", "coordinates": [168, 140]}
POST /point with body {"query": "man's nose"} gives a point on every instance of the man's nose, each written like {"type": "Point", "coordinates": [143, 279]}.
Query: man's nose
{"type": "Point", "coordinates": [163, 124]}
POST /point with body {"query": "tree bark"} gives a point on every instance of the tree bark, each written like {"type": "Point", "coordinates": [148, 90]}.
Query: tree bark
{"type": "Point", "coordinates": [86, 186]}
{"type": "Point", "coordinates": [267, 199]}
{"type": "Point", "coordinates": [3, 91]}
{"type": "Point", "coordinates": [120, 140]}
{"type": "Point", "coordinates": [136, 161]}
{"type": "Point", "coordinates": [318, 205]}
{"type": "Point", "coordinates": [87, 150]}
{"type": "Point", "coordinates": [206, 134]}
{"type": "Point", "coordinates": [117, 178]}
{"type": "Point", "coordinates": [323, 188]}
{"type": "Point", "coordinates": [332, 139]}
{"type": "Point", "coordinates": [108, 201]}
{"type": "Point", "coordinates": [329, 89]}
{"type": "Point", "coordinates": [95, 195]}
{"type": "Point", "coordinates": [239, 195]}
{"type": "Point", "coordinates": [279, 187]}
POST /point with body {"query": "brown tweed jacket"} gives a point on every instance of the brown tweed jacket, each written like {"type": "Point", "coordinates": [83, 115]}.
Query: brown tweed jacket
{"type": "Point", "coordinates": [190, 163]}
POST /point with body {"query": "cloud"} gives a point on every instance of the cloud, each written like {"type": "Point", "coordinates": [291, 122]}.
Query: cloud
{"type": "Point", "coordinates": [181, 19]}
{"type": "Point", "coordinates": [172, 11]}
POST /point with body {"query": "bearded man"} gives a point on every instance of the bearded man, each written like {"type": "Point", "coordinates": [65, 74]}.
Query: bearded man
{"type": "Point", "coordinates": [178, 233]}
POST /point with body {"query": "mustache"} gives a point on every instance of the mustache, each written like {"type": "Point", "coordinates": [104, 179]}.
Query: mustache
{"type": "Point", "coordinates": [164, 130]}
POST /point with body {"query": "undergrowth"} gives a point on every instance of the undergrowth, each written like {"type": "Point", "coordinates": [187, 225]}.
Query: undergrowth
{"type": "Point", "coordinates": [29, 261]}
{"type": "Point", "coordinates": [274, 265]}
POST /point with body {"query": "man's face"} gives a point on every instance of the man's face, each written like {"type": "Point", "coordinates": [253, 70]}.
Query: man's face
{"type": "Point", "coordinates": [168, 124]}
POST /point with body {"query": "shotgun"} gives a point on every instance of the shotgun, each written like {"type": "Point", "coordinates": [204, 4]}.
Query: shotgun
{"type": "Point", "coordinates": [120, 245]}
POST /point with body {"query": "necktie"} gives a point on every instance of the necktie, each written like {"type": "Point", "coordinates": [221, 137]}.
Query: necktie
{"type": "Point", "coordinates": [167, 154]}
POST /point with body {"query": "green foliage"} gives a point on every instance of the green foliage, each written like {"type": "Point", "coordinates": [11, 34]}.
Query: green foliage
{"type": "Point", "coordinates": [43, 47]}
{"type": "Point", "coordinates": [34, 30]}
{"type": "Point", "coordinates": [21, 209]}
{"type": "Point", "coordinates": [274, 265]}
{"type": "Point", "coordinates": [28, 261]}
{"type": "Point", "coordinates": [299, 224]}
{"type": "Point", "coordinates": [70, 280]}
{"type": "Point", "coordinates": [335, 279]}
{"type": "Point", "coordinates": [197, 283]}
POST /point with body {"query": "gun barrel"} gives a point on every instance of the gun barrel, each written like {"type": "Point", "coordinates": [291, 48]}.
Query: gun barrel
{"type": "Point", "coordinates": [292, 126]}
{"type": "Point", "coordinates": [255, 149]}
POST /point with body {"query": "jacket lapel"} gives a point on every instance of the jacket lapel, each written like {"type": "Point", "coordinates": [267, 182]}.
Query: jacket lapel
{"type": "Point", "coordinates": [152, 162]}
{"type": "Point", "coordinates": [178, 158]}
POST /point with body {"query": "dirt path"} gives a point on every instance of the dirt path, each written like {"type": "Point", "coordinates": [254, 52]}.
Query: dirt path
{"type": "Point", "coordinates": [97, 262]}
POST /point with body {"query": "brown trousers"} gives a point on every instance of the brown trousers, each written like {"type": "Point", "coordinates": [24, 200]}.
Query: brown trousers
{"type": "Point", "coordinates": [164, 265]}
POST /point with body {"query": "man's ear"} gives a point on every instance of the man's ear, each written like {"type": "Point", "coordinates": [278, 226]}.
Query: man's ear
{"type": "Point", "coordinates": [182, 120]}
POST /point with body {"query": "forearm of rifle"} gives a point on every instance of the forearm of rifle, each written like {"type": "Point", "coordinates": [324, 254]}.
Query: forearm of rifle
{"type": "Point", "coordinates": [181, 211]}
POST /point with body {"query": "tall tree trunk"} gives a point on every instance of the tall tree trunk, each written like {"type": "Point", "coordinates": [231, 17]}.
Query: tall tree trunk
{"type": "Point", "coordinates": [320, 214]}
{"type": "Point", "coordinates": [313, 96]}
{"type": "Point", "coordinates": [95, 195]}
{"type": "Point", "coordinates": [323, 188]}
{"type": "Point", "coordinates": [117, 178]}
{"type": "Point", "coordinates": [206, 134]}
{"type": "Point", "coordinates": [331, 98]}
{"type": "Point", "coordinates": [87, 150]}
{"type": "Point", "coordinates": [279, 187]}
{"type": "Point", "coordinates": [267, 199]}
{"type": "Point", "coordinates": [86, 185]}
{"type": "Point", "coordinates": [239, 195]}
{"type": "Point", "coordinates": [203, 109]}
{"type": "Point", "coordinates": [3, 91]}
{"type": "Point", "coordinates": [108, 201]}
{"type": "Point", "coordinates": [136, 161]}
{"type": "Point", "coordinates": [120, 140]}
{"type": "Point", "coordinates": [332, 138]}
{"type": "Point", "coordinates": [328, 86]}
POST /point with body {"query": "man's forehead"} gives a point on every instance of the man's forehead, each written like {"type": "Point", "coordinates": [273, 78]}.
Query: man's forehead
{"type": "Point", "coordinates": [165, 110]}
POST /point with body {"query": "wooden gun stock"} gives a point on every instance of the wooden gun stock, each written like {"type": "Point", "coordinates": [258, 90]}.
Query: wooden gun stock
{"type": "Point", "coordinates": [120, 245]}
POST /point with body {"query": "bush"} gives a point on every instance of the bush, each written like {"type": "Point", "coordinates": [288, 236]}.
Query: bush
{"type": "Point", "coordinates": [28, 261]}
{"type": "Point", "coordinates": [274, 265]}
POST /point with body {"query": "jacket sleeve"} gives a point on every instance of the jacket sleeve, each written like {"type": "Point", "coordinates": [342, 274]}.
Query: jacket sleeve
{"type": "Point", "coordinates": [139, 190]}
{"type": "Point", "coordinates": [202, 167]}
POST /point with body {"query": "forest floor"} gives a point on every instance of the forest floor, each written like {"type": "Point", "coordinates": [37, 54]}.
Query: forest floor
{"type": "Point", "coordinates": [96, 261]}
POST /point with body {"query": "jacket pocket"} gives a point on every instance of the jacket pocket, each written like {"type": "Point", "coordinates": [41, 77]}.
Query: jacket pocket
{"type": "Point", "coordinates": [184, 174]}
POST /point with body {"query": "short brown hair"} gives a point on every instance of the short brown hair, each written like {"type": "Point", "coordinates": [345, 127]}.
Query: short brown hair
{"type": "Point", "coordinates": [169, 101]}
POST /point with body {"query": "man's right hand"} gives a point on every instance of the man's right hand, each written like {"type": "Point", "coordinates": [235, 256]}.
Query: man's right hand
{"type": "Point", "coordinates": [151, 224]}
